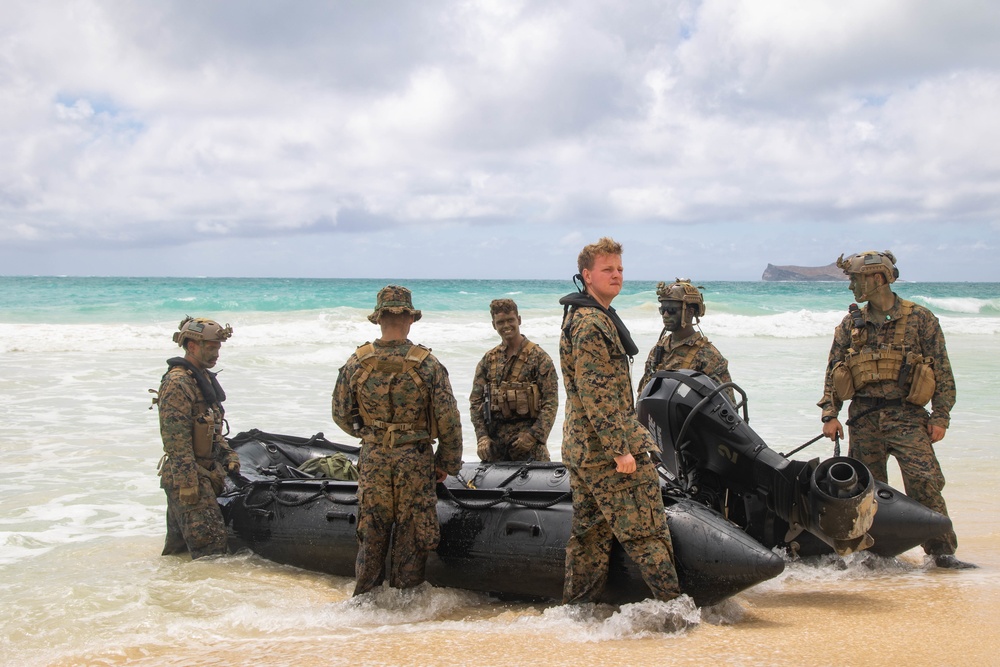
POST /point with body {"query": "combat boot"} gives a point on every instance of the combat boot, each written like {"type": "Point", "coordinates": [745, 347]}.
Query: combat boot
{"type": "Point", "coordinates": [949, 561]}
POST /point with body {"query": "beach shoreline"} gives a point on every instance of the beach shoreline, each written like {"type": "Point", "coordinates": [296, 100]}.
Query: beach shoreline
{"type": "Point", "coordinates": [81, 515]}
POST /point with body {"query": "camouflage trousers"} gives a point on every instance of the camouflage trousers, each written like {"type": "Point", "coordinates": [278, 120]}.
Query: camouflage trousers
{"type": "Point", "coordinates": [506, 434]}
{"type": "Point", "coordinates": [197, 528]}
{"type": "Point", "coordinates": [397, 503]}
{"type": "Point", "coordinates": [901, 431]}
{"type": "Point", "coordinates": [609, 504]}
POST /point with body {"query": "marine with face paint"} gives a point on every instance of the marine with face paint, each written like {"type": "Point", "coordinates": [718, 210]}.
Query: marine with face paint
{"type": "Point", "coordinates": [515, 393]}
{"type": "Point", "coordinates": [680, 345]}
{"type": "Point", "coordinates": [889, 360]}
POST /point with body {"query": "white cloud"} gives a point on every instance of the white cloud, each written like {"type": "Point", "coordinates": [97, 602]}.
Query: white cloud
{"type": "Point", "coordinates": [134, 127]}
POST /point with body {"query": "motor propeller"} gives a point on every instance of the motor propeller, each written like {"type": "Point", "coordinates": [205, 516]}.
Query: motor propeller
{"type": "Point", "coordinates": [713, 454]}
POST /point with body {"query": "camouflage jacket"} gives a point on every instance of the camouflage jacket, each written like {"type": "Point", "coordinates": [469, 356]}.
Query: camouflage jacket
{"type": "Point", "coordinates": [600, 421]}
{"type": "Point", "coordinates": [923, 333]}
{"type": "Point", "coordinates": [676, 356]}
{"type": "Point", "coordinates": [393, 397]}
{"type": "Point", "coordinates": [181, 406]}
{"type": "Point", "coordinates": [495, 368]}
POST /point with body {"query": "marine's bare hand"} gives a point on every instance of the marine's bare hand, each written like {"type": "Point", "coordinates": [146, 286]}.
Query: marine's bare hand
{"type": "Point", "coordinates": [936, 432]}
{"type": "Point", "coordinates": [626, 463]}
{"type": "Point", "coordinates": [833, 429]}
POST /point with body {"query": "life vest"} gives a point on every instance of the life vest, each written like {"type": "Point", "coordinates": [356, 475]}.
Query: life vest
{"type": "Point", "coordinates": [572, 302]}
{"type": "Point", "coordinates": [575, 300]}
{"type": "Point", "coordinates": [426, 424]}
{"type": "Point", "coordinates": [516, 398]}
{"type": "Point", "coordinates": [209, 414]}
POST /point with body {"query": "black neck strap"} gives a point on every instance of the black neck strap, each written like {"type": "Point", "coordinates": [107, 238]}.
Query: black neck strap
{"type": "Point", "coordinates": [582, 299]}
{"type": "Point", "coordinates": [207, 382]}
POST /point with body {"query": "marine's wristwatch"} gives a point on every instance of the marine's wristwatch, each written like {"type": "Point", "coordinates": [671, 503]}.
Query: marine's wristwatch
{"type": "Point", "coordinates": [827, 418]}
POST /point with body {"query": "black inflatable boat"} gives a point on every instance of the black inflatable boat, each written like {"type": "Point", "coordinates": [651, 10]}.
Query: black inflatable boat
{"type": "Point", "coordinates": [504, 527]}
{"type": "Point", "coordinates": [731, 503]}
{"type": "Point", "coordinates": [808, 507]}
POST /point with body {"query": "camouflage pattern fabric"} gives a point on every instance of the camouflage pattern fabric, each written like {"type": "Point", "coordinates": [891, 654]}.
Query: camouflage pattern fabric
{"type": "Point", "coordinates": [607, 504]}
{"type": "Point", "coordinates": [923, 333]}
{"type": "Point", "coordinates": [600, 421]}
{"type": "Point", "coordinates": [199, 528]}
{"type": "Point", "coordinates": [599, 425]}
{"type": "Point", "coordinates": [902, 432]}
{"type": "Point", "coordinates": [538, 369]}
{"type": "Point", "coordinates": [675, 356]}
{"type": "Point", "coordinates": [396, 488]}
{"type": "Point", "coordinates": [899, 430]}
{"type": "Point", "coordinates": [180, 403]}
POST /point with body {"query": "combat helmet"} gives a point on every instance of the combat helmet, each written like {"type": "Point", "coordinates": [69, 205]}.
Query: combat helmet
{"type": "Point", "coordinates": [201, 328]}
{"type": "Point", "coordinates": [870, 261]}
{"type": "Point", "coordinates": [682, 290]}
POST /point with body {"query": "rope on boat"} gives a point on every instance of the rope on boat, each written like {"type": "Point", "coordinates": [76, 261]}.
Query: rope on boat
{"type": "Point", "coordinates": [505, 497]}
{"type": "Point", "coordinates": [271, 496]}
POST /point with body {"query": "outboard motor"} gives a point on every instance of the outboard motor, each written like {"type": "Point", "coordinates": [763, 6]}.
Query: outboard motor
{"type": "Point", "coordinates": [712, 452]}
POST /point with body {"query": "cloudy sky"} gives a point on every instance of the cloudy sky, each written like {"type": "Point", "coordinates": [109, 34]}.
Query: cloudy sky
{"type": "Point", "coordinates": [494, 138]}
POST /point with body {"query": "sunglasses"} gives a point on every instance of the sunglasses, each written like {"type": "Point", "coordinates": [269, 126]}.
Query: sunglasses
{"type": "Point", "coordinates": [665, 310]}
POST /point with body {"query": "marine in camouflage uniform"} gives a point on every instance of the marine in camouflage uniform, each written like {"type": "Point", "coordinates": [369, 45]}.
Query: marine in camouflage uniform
{"type": "Point", "coordinates": [880, 354]}
{"type": "Point", "coordinates": [396, 397]}
{"type": "Point", "coordinates": [515, 393]}
{"type": "Point", "coordinates": [196, 454]}
{"type": "Point", "coordinates": [681, 306]}
{"type": "Point", "coordinates": [616, 492]}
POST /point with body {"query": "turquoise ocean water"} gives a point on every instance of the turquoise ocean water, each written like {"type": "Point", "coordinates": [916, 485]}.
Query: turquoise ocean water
{"type": "Point", "coordinates": [68, 300]}
{"type": "Point", "coordinates": [81, 514]}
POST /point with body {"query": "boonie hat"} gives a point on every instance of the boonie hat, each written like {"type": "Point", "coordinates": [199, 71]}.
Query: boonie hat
{"type": "Point", "coordinates": [394, 299]}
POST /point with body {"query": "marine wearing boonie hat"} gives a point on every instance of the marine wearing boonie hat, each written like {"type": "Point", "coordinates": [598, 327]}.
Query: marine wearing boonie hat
{"type": "Point", "coordinates": [394, 299]}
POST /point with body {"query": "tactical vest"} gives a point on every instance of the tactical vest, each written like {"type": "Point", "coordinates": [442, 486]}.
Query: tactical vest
{"type": "Point", "coordinates": [866, 363]}
{"type": "Point", "coordinates": [686, 359]}
{"type": "Point", "coordinates": [426, 425]}
{"type": "Point", "coordinates": [516, 399]}
{"type": "Point", "coordinates": [209, 415]}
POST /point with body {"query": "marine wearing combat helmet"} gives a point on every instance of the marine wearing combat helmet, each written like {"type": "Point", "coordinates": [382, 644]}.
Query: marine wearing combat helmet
{"type": "Point", "coordinates": [196, 454]}
{"type": "Point", "coordinates": [680, 345]}
{"type": "Point", "coordinates": [889, 360]}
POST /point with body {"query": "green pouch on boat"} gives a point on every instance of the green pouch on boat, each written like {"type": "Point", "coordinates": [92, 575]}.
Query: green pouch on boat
{"type": "Point", "coordinates": [335, 466]}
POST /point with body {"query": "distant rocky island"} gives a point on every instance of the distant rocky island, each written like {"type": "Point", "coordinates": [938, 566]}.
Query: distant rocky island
{"type": "Point", "coordinates": [787, 273]}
